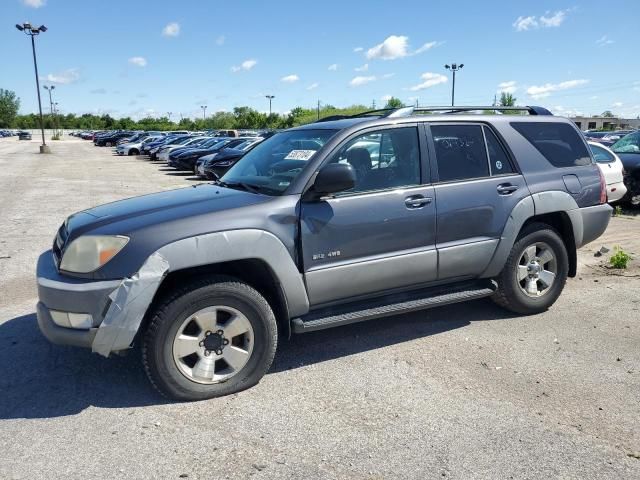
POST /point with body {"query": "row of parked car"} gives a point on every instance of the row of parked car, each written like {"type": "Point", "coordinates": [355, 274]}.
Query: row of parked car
{"type": "Point", "coordinates": [618, 156]}
{"type": "Point", "coordinates": [207, 154]}
{"type": "Point", "coordinates": [21, 134]}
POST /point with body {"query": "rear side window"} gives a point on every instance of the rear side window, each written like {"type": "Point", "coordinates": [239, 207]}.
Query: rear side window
{"type": "Point", "coordinates": [560, 144]}
{"type": "Point", "coordinates": [500, 164]}
{"type": "Point", "coordinates": [600, 155]}
{"type": "Point", "coordinates": [460, 152]}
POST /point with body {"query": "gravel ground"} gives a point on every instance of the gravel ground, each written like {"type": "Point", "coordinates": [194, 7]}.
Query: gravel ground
{"type": "Point", "coordinates": [465, 391]}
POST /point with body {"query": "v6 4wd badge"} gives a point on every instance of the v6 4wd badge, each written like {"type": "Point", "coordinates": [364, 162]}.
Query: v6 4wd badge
{"type": "Point", "coordinates": [321, 256]}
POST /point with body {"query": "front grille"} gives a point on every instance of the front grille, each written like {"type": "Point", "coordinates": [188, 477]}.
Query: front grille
{"type": "Point", "coordinates": [59, 244]}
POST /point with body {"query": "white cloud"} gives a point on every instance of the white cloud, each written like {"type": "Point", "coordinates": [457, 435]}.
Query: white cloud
{"type": "Point", "coordinates": [554, 20]}
{"type": "Point", "coordinates": [290, 78]}
{"type": "Point", "coordinates": [358, 49]}
{"type": "Point", "coordinates": [333, 67]}
{"type": "Point", "coordinates": [507, 87]}
{"type": "Point", "coordinates": [171, 30]}
{"type": "Point", "coordinates": [360, 80]}
{"type": "Point", "coordinates": [430, 80]}
{"type": "Point", "coordinates": [98, 91]}
{"type": "Point", "coordinates": [220, 40]}
{"type": "Point", "coordinates": [395, 46]}
{"type": "Point", "coordinates": [561, 111]}
{"type": "Point", "coordinates": [604, 40]}
{"type": "Point", "coordinates": [388, 75]}
{"type": "Point", "coordinates": [363, 68]}
{"type": "Point", "coordinates": [548, 20]}
{"type": "Point", "coordinates": [246, 65]}
{"type": "Point", "coordinates": [34, 3]}
{"type": "Point", "coordinates": [593, 97]}
{"type": "Point", "coordinates": [65, 77]}
{"type": "Point", "coordinates": [617, 104]}
{"type": "Point", "coordinates": [386, 98]}
{"type": "Point", "coordinates": [545, 90]}
{"type": "Point", "coordinates": [313, 86]}
{"type": "Point", "coordinates": [523, 24]}
{"type": "Point", "coordinates": [427, 46]}
{"type": "Point", "coordinates": [138, 61]}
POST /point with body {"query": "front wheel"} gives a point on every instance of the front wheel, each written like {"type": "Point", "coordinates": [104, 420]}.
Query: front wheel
{"type": "Point", "coordinates": [134, 151]}
{"type": "Point", "coordinates": [108, 144]}
{"type": "Point", "coordinates": [535, 272]}
{"type": "Point", "coordinates": [212, 338]}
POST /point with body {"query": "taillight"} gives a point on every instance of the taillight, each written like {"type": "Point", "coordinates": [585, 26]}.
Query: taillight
{"type": "Point", "coordinates": [603, 188]}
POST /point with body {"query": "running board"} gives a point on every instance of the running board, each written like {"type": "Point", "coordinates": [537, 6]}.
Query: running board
{"type": "Point", "coordinates": [391, 305]}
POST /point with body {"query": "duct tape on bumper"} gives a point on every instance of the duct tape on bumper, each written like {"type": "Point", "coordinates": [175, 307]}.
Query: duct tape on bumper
{"type": "Point", "coordinates": [129, 303]}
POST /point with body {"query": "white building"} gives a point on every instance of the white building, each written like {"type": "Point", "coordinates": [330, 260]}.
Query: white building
{"type": "Point", "coordinates": [606, 123]}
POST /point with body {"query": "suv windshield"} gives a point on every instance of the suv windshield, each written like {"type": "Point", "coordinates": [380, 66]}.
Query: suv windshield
{"type": "Point", "coordinates": [628, 144]}
{"type": "Point", "coordinates": [273, 164]}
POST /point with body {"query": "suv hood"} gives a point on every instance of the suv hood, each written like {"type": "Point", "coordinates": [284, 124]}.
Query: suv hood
{"type": "Point", "coordinates": [158, 210]}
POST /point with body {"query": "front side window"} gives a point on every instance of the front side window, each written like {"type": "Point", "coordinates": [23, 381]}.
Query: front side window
{"type": "Point", "coordinates": [460, 152]}
{"type": "Point", "coordinates": [383, 159]}
{"type": "Point", "coordinates": [601, 155]}
{"type": "Point", "coordinates": [273, 164]}
{"type": "Point", "coordinates": [558, 142]}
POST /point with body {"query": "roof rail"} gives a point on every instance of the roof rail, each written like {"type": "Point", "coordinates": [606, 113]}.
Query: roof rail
{"type": "Point", "coordinates": [408, 111]}
{"type": "Point", "coordinates": [531, 110]}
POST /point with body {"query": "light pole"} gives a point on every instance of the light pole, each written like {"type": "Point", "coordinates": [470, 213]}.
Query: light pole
{"type": "Point", "coordinates": [169, 115]}
{"type": "Point", "coordinates": [32, 32]}
{"type": "Point", "coordinates": [270, 97]}
{"type": "Point", "coordinates": [50, 90]}
{"type": "Point", "coordinates": [204, 111]}
{"type": "Point", "coordinates": [454, 67]}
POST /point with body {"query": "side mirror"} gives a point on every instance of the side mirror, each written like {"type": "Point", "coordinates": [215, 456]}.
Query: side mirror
{"type": "Point", "coordinates": [334, 178]}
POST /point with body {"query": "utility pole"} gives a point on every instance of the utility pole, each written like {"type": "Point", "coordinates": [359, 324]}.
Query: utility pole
{"type": "Point", "coordinates": [454, 67]}
{"type": "Point", "coordinates": [204, 111]}
{"type": "Point", "coordinates": [32, 32]}
{"type": "Point", "coordinates": [318, 109]}
{"type": "Point", "coordinates": [373, 105]}
{"type": "Point", "coordinates": [169, 115]}
{"type": "Point", "coordinates": [270, 97]}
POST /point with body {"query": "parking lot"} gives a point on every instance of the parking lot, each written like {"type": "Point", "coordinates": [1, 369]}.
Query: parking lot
{"type": "Point", "coordinates": [464, 391]}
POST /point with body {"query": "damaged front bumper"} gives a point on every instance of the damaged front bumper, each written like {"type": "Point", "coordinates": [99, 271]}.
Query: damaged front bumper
{"type": "Point", "coordinates": [116, 307]}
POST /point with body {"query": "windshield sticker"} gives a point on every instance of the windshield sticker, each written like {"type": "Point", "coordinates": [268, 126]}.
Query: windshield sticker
{"type": "Point", "coordinates": [300, 155]}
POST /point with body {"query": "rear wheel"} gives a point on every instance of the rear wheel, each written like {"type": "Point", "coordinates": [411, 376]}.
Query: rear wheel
{"type": "Point", "coordinates": [134, 151]}
{"type": "Point", "coordinates": [535, 272]}
{"type": "Point", "coordinates": [108, 144]}
{"type": "Point", "coordinates": [214, 337]}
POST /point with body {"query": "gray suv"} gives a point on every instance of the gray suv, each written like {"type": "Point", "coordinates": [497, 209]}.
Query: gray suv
{"type": "Point", "coordinates": [322, 225]}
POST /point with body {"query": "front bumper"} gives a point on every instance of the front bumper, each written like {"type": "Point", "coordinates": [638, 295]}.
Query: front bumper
{"type": "Point", "coordinates": [65, 294]}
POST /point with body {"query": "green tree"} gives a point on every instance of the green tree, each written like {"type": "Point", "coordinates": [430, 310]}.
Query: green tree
{"type": "Point", "coordinates": [394, 102]}
{"type": "Point", "coordinates": [507, 100]}
{"type": "Point", "coordinates": [9, 105]}
{"type": "Point", "coordinates": [608, 114]}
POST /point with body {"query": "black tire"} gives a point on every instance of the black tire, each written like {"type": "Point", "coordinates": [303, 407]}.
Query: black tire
{"type": "Point", "coordinates": [134, 151]}
{"type": "Point", "coordinates": [107, 144]}
{"type": "Point", "coordinates": [509, 294]}
{"type": "Point", "coordinates": [169, 315]}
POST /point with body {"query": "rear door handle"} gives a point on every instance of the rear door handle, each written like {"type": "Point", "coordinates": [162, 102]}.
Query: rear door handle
{"type": "Point", "coordinates": [506, 188]}
{"type": "Point", "coordinates": [417, 201]}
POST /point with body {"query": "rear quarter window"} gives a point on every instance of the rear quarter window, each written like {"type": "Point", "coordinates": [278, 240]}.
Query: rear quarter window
{"type": "Point", "coordinates": [558, 142]}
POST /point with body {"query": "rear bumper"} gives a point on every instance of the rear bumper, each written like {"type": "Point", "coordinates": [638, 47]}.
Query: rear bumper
{"type": "Point", "coordinates": [615, 191]}
{"type": "Point", "coordinates": [594, 222]}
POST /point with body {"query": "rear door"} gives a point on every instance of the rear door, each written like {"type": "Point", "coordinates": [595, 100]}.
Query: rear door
{"type": "Point", "coordinates": [476, 186]}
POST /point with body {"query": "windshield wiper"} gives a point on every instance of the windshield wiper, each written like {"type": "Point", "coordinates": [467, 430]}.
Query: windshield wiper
{"type": "Point", "coordinates": [244, 186]}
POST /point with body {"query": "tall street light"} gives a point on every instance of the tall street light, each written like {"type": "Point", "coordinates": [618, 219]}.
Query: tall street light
{"type": "Point", "coordinates": [454, 67]}
{"type": "Point", "coordinates": [169, 115]}
{"type": "Point", "coordinates": [32, 32]}
{"type": "Point", "coordinates": [270, 97]}
{"type": "Point", "coordinates": [50, 90]}
{"type": "Point", "coordinates": [204, 111]}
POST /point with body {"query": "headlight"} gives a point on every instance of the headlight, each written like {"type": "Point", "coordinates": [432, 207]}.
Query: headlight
{"type": "Point", "coordinates": [223, 163]}
{"type": "Point", "coordinates": [88, 253]}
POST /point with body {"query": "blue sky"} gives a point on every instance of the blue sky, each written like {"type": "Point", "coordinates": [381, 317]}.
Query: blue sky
{"type": "Point", "coordinates": [138, 58]}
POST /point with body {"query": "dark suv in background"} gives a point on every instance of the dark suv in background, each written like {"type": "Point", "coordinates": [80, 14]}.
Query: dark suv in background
{"type": "Point", "coordinates": [322, 225]}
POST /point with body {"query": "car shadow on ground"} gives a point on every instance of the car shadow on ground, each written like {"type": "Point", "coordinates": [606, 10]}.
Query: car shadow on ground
{"type": "Point", "coordinates": [41, 380]}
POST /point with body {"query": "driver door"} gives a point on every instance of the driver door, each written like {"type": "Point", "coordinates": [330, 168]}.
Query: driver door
{"type": "Point", "coordinates": [380, 235]}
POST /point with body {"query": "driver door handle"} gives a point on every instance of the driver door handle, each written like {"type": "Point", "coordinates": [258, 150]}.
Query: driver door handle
{"type": "Point", "coordinates": [417, 201]}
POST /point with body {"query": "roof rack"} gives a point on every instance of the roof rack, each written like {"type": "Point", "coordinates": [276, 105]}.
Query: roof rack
{"type": "Point", "coordinates": [408, 111]}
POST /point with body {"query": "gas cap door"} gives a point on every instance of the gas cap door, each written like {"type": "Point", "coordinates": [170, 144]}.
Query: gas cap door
{"type": "Point", "coordinates": [572, 183]}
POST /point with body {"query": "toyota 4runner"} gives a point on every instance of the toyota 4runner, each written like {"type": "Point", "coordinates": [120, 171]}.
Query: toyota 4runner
{"type": "Point", "coordinates": [339, 221]}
